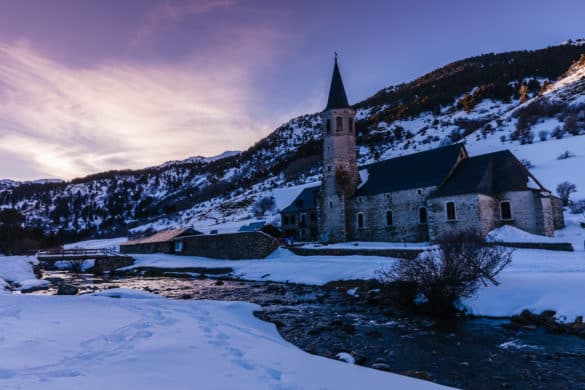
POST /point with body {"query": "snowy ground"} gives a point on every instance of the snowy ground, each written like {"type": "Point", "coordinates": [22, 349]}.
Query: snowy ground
{"type": "Point", "coordinates": [108, 243]}
{"type": "Point", "coordinates": [17, 270]}
{"type": "Point", "coordinates": [142, 341]}
{"type": "Point", "coordinates": [281, 266]}
{"type": "Point", "coordinates": [370, 245]}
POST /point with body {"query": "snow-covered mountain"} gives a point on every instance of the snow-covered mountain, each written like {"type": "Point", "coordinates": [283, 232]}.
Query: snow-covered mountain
{"type": "Point", "coordinates": [532, 102]}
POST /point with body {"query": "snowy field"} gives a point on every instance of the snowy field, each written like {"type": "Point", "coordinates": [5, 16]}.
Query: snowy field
{"type": "Point", "coordinates": [17, 270]}
{"type": "Point", "coordinates": [143, 341]}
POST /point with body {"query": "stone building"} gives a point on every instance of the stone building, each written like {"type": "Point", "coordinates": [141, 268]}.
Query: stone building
{"type": "Point", "coordinates": [417, 197]}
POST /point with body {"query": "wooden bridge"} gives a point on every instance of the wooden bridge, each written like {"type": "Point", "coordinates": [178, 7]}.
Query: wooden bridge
{"type": "Point", "coordinates": [76, 254]}
{"type": "Point", "coordinates": [105, 259]}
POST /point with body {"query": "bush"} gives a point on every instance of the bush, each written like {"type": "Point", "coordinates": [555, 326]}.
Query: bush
{"type": "Point", "coordinates": [565, 155]}
{"type": "Point", "coordinates": [571, 126]}
{"type": "Point", "coordinates": [455, 270]}
{"type": "Point", "coordinates": [263, 205]}
{"type": "Point", "coordinates": [565, 189]}
{"type": "Point", "coordinates": [543, 135]}
{"type": "Point", "coordinates": [558, 132]}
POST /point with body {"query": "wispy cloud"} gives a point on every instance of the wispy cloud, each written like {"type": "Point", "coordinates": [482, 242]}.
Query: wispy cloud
{"type": "Point", "coordinates": [169, 12]}
{"type": "Point", "coordinates": [68, 122]}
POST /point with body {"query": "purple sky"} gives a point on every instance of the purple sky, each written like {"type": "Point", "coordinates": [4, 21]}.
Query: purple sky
{"type": "Point", "coordinates": [87, 86]}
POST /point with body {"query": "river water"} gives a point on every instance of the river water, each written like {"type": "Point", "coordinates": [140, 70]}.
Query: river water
{"type": "Point", "coordinates": [470, 353]}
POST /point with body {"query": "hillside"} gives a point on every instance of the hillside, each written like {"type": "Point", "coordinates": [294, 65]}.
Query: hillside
{"type": "Point", "coordinates": [532, 102]}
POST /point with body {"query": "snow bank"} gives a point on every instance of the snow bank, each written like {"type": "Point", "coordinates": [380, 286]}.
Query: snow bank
{"type": "Point", "coordinates": [281, 266]}
{"type": "Point", "coordinates": [89, 342]}
{"type": "Point", "coordinates": [537, 280]}
{"type": "Point", "coordinates": [509, 233]}
{"type": "Point", "coordinates": [18, 270]}
{"type": "Point", "coordinates": [370, 245]}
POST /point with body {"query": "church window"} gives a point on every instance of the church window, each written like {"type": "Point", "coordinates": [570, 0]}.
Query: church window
{"type": "Point", "coordinates": [360, 220]}
{"type": "Point", "coordinates": [505, 210]}
{"type": "Point", "coordinates": [339, 124]}
{"type": "Point", "coordinates": [328, 126]}
{"type": "Point", "coordinates": [389, 218]}
{"type": "Point", "coordinates": [451, 211]}
{"type": "Point", "coordinates": [422, 214]}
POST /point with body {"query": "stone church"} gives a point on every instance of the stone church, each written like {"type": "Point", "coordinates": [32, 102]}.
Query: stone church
{"type": "Point", "coordinates": [414, 198]}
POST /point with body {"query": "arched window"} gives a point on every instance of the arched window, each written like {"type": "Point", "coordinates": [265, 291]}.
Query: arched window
{"type": "Point", "coordinates": [360, 220]}
{"type": "Point", "coordinates": [505, 210]}
{"type": "Point", "coordinates": [339, 124]}
{"type": "Point", "coordinates": [422, 213]}
{"type": "Point", "coordinates": [388, 218]}
{"type": "Point", "coordinates": [451, 211]}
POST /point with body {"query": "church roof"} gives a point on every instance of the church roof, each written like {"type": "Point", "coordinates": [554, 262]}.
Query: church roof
{"type": "Point", "coordinates": [489, 174]}
{"type": "Point", "coordinates": [418, 170]}
{"type": "Point", "coordinates": [307, 200]}
{"type": "Point", "coordinates": [337, 96]}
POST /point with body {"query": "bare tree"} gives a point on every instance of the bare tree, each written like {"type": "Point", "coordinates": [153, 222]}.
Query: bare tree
{"type": "Point", "coordinates": [455, 270]}
{"type": "Point", "coordinates": [565, 189]}
{"type": "Point", "coordinates": [263, 205]}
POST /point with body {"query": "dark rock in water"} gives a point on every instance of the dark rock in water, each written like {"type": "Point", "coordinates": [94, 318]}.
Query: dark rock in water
{"type": "Point", "coordinates": [186, 296]}
{"type": "Point", "coordinates": [418, 374]}
{"type": "Point", "coordinates": [33, 289]}
{"type": "Point", "coordinates": [381, 366]}
{"type": "Point", "coordinates": [67, 289]}
{"type": "Point", "coordinates": [219, 283]}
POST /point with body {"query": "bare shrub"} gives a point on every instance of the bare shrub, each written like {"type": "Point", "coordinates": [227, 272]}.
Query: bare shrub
{"type": "Point", "coordinates": [543, 135]}
{"type": "Point", "coordinates": [565, 189]}
{"type": "Point", "coordinates": [565, 155]}
{"type": "Point", "coordinates": [263, 205]}
{"type": "Point", "coordinates": [455, 270]}
{"type": "Point", "coordinates": [558, 132]}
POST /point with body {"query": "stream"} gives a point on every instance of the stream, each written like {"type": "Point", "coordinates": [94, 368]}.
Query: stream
{"type": "Point", "coordinates": [469, 353]}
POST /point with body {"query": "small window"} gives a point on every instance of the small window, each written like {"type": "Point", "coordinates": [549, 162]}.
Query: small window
{"type": "Point", "coordinates": [360, 220]}
{"type": "Point", "coordinates": [388, 218]}
{"type": "Point", "coordinates": [303, 219]}
{"type": "Point", "coordinates": [359, 199]}
{"type": "Point", "coordinates": [285, 220]}
{"type": "Point", "coordinates": [178, 246]}
{"type": "Point", "coordinates": [387, 196]}
{"type": "Point", "coordinates": [328, 168]}
{"type": "Point", "coordinates": [313, 217]}
{"type": "Point", "coordinates": [331, 204]}
{"type": "Point", "coordinates": [339, 124]}
{"type": "Point", "coordinates": [422, 213]}
{"type": "Point", "coordinates": [328, 126]}
{"type": "Point", "coordinates": [419, 192]}
{"type": "Point", "coordinates": [451, 211]}
{"type": "Point", "coordinates": [293, 219]}
{"type": "Point", "coordinates": [505, 210]}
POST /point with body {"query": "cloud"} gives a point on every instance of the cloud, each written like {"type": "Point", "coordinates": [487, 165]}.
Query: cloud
{"type": "Point", "coordinates": [169, 12]}
{"type": "Point", "coordinates": [66, 122]}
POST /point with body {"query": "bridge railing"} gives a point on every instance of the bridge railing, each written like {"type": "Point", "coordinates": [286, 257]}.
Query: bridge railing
{"type": "Point", "coordinates": [76, 252]}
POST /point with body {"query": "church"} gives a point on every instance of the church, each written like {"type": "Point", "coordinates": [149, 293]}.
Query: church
{"type": "Point", "coordinates": [413, 198]}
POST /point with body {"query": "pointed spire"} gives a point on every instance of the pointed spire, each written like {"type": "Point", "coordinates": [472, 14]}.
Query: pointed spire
{"type": "Point", "coordinates": [337, 96]}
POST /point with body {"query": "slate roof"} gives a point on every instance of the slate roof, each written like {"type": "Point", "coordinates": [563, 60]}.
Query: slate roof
{"type": "Point", "coordinates": [252, 226]}
{"type": "Point", "coordinates": [418, 170]}
{"type": "Point", "coordinates": [489, 174]}
{"type": "Point", "coordinates": [307, 200]}
{"type": "Point", "coordinates": [163, 236]}
{"type": "Point", "coordinates": [337, 96]}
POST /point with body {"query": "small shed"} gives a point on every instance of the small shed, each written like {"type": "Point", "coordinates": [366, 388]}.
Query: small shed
{"type": "Point", "coordinates": [161, 242]}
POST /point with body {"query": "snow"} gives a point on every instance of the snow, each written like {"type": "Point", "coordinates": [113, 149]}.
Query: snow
{"type": "Point", "coordinates": [95, 342]}
{"type": "Point", "coordinates": [509, 233]}
{"type": "Point", "coordinates": [364, 175]}
{"type": "Point", "coordinates": [281, 266]}
{"type": "Point", "coordinates": [108, 243]}
{"type": "Point", "coordinates": [18, 270]}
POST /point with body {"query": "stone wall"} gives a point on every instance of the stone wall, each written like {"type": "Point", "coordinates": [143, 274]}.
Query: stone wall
{"type": "Point", "coordinates": [528, 212]}
{"type": "Point", "coordinates": [468, 215]}
{"type": "Point", "coordinates": [403, 253]}
{"type": "Point", "coordinates": [144, 248]}
{"type": "Point", "coordinates": [233, 246]}
{"type": "Point", "coordinates": [557, 211]}
{"type": "Point", "coordinates": [405, 207]}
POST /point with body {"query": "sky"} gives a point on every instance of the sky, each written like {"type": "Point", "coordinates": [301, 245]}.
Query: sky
{"type": "Point", "coordinates": [94, 85]}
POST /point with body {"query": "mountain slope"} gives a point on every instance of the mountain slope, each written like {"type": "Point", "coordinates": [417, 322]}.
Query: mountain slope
{"type": "Point", "coordinates": [491, 102]}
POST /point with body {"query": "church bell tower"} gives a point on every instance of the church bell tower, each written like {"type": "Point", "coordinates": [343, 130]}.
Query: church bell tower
{"type": "Point", "coordinates": [340, 173]}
